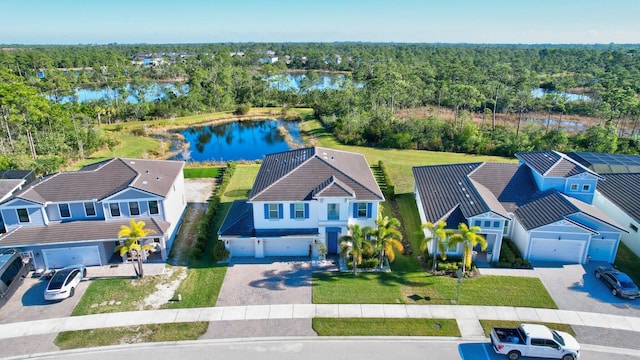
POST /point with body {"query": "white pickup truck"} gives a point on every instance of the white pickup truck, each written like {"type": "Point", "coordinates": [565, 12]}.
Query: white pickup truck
{"type": "Point", "coordinates": [535, 341]}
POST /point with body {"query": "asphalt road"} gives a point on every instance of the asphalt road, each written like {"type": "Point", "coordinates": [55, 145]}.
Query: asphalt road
{"type": "Point", "coordinates": [314, 349]}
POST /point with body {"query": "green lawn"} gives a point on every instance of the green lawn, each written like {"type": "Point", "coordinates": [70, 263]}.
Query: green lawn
{"type": "Point", "coordinates": [385, 327]}
{"type": "Point", "coordinates": [398, 162]}
{"type": "Point", "coordinates": [203, 172]}
{"type": "Point", "coordinates": [130, 146]}
{"type": "Point", "coordinates": [628, 262]}
{"type": "Point", "coordinates": [422, 288]}
{"type": "Point", "coordinates": [130, 335]}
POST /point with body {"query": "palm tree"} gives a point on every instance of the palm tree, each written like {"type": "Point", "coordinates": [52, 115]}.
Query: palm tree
{"type": "Point", "coordinates": [438, 234]}
{"type": "Point", "coordinates": [388, 237]}
{"type": "Point", "coordinates": [133, 233]}
{"type": "Point", "coordinates": [355, 244]}
{"type": "Point", "coordinates": [470, 238]}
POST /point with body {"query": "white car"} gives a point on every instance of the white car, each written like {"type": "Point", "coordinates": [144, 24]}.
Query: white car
{"type": "Point", "coordinates": [64, 281]}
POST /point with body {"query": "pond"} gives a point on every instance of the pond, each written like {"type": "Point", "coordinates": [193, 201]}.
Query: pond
{"type": "Point", "coordinates": [540, 92]}
{"type": "Point", "coordinates": [239, 140]}
{"type": "Point", "coordinates": [295, 81]}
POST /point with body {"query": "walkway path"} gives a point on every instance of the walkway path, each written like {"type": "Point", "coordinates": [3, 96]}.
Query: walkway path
{"type": "Point", "coordinates": [467, 317]}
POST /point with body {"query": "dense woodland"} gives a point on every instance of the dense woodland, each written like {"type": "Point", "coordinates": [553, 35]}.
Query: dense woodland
{"type": "Point", "coordinates": [476, 83]}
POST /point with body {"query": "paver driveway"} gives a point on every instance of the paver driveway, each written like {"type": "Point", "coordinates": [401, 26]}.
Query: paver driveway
{"type": "Point", "coordinates": [264, 282]}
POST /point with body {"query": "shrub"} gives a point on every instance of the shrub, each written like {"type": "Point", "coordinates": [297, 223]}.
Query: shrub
{"type": "Point", "coordinates": [243, 109]}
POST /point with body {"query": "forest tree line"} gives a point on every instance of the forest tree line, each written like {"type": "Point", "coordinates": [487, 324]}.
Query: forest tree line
{"type": "Point", "coordinates": [40, 130]}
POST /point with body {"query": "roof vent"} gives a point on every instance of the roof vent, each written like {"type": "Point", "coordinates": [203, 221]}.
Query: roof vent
{"type": "Point", "coordinates": [147, 171]}
{"type": "Point", "coordinates": [144, 182]}
{"type": "Point", "coordinates": [158, 178]}
{"type": "Point", "coordinates": [471, 202]}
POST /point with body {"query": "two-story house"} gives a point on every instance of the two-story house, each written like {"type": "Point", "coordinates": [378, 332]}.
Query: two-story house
{"type": "Point", "coordinates": [543, 204]}
{"type": "Point", "coordinates": [301, 198]}
{"type": "Point", "coordinates": [74, 217]}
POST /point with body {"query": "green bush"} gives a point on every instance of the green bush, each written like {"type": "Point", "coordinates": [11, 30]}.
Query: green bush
{"type": "Point", "coordinates": [510, 256]}
{"type": "Point", "coordinates": [243, 109]}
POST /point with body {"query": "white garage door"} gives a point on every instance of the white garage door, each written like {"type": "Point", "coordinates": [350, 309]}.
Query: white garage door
{"type": "Point", "coordinates": [241, 248]}
{"type": "Point", "coordinates": [286, 247]}
{"type": "Point", "coordinates": [601, 249]}
{"type": "Point", "coordinates": [61, 257]}
{"type": "Point", "coordinates": [568, 251]}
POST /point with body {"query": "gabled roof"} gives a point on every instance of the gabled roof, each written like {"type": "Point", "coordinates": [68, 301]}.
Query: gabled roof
{"type": "Point", "coordinates": [624, 191]}
{"type": "Point", "coordinates": [100, 180]}
{"type": "Point", "coordinates": [333, 187]}
{"type": "Point", "coordinates": [295, 175]}
{"type": "Point", "coordinates": [552, 206]}
{"type": "Point", "coordinates": [553, 163]}
{"type": "Point", "coordinates": [443, 188]}
{"type": "Point", "coordinates": [75, 231]}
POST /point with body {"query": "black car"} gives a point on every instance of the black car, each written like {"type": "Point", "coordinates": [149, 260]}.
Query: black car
{"type": "Point", "coordinates": [619, 282]}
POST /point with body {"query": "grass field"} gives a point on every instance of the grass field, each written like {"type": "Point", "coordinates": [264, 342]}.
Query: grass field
{"type": "Point", "coordinates": [385, 327]}
{"type": "Point", "coordinates": [398, 162]}
{"type": "Point", "coordinates": [202, 172]}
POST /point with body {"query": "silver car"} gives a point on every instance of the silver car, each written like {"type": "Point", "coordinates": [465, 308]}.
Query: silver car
{"type": "Point", "coordinates": [64, 281]}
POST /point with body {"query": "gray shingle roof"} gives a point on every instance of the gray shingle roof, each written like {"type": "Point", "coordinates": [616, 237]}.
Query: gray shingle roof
{"type": "Point", "coordinates": [294, 175]}
{"type": "Point", "coordinates": [333, 187]}
{"type": "Point", "coordinates": [103, 179]}
{"type": "Point", "coordinates": [624, 191]}
{"type": "Point", "coordinates": [75, 231]}
{"type": "Point", "coordinates": [552, 206]}
{"type": "Point", "coordinates": [239, 223]}
{"type": "Point", "coordinates": [552, 163]}
{"type": "Point", "coordinates": [511, 184]}
{"type": "Point", "coordinates": [443, 188]}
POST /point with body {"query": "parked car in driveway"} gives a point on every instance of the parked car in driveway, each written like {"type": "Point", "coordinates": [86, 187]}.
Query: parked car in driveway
{"type": "Point", "coordinates": [619, 282]}
{"type": "Point", "coordinates": [13, 269]}
{"type": "Point", "coordinates": [64, 281]}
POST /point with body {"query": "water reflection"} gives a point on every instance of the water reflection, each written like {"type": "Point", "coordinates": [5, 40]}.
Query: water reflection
{"type": "Point", "coordinates": [240, 140]}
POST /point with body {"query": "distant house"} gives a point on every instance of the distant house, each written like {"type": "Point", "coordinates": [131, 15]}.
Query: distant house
{"type": "Point", "coordinates": [74, 217]}
{"type": "Point", "coordinates": [619, 194]}
{"type": "Point", "coordinates": [302, 198]}
{"type": "Point", "coordinates": [543, 204]}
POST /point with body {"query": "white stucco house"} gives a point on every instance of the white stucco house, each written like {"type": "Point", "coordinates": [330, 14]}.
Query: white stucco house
{"type": "Point", "coordinates": [74, 217]}
{"type": "Point", "coordinates": [543, 204]}
{"type": "Point", "coordinates": [302, 198]}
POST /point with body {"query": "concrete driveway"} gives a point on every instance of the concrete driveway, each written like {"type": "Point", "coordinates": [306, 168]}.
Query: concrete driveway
{"type": "Point", "coordinates": [263, 282]}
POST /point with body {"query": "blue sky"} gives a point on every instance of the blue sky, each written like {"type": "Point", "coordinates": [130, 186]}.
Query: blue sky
{"type": "Point", "coordinates": [430, 21]}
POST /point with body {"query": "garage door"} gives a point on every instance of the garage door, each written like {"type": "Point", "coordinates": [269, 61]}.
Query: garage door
{"type": "Point", "coordinates": [286, 247]}
{"type": "Point", "coordinates": [241, 248]}
{"type": "Point", "coordinates": [568, 251]}
{"type": "Point", "coordinates": [601, 249]}
{"type": "Point", "coordinates": [61, 257]}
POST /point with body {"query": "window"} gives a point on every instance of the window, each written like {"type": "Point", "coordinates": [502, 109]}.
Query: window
{"type": "Point", "coordinates": [134, 208]}
{"type": "Point", "coordinates": [11, 271]}
{"type": "Point", "coordinates": [496, 224]}
{"type": "Point", "coordinates": [362, 210]}
{"type": "Point", "coordinates": [452, 247]}
{"type": "Point", "coordinates": [586, 187]}
{"type": "Point", "coordinates": [633, 227]}
{"type": "Point", "coordinates": [23, 215]}
{"type": "Point", "coordinates": [298, 211]}
{"type": "Point", "coordinates": [477, 223]}
{"type": "Point", "coordinates": [506, 228]}
{"type": "Point", "coordinates": [89, 209]}
{"type": "Point", "coordinates": [487, 223]}
{"type": "Point", "coordinates": [538, 342]}
{"type": "Point", "coordinates": [64, 210]}
{"type": "Point", "coordinates": [273, 211]}
{"type": "Point", "coordinates": [574, 187]}
{"type": "Point", "coordinates": [333, 211]}
{"type": "Point", "coordinates": [115, 209]}
{"type": "Point", "coordinates": [153, 207]}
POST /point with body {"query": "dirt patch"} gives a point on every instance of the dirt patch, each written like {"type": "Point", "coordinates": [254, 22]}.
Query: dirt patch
{"type": "Point", "coordinates": [197, 192]}
{"type": "Point", "coordinates": [165, 290]}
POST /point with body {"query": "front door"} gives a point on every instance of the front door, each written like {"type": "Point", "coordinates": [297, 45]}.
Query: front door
{"type": "Point", "coordinates": [332, 242]}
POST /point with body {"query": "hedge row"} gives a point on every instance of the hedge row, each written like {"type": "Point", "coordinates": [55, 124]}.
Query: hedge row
{"type": "Point", "coordinates": [510, 256]}
{"type": "Point", "coordinates": [207, 230]}
{"type": "Point", "coordinates": [391, 189]}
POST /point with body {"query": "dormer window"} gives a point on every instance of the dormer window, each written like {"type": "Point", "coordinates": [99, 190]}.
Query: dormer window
{"type": "Point", "coordinates": [64, 210]}
{"type": "Point", "coordinates": [115, 209]}
{"type": "Point", "coordinates": [586, 187]}
{"type": "Point", "coordinates": [23, 215]}
{"type": "Point", "coordinates": [134, 208]}
{"type": "Point", "coordinates": [574, 187]}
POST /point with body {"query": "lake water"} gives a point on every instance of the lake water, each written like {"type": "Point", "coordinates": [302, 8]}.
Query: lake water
{"type": "Point", "coordinates": [539, 92]}
{"type": "Point", "coordinates": [294, 81]}
{"type": "Point", "coordinates": [153, 91]}
{"type": "Point", "coordinates": [239, 140]}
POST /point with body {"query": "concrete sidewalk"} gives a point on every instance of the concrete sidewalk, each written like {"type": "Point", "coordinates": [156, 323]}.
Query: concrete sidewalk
{"type": "Point", "coordinates": [467, 317]}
